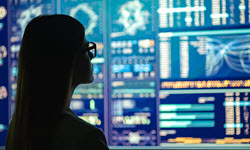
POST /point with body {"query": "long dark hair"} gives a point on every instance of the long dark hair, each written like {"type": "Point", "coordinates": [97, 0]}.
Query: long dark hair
{"type": "Point", "coordinates": [45, 65]}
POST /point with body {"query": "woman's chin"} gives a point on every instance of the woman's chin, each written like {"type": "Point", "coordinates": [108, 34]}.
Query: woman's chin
{"type": "Point", "coordinates": [91, 79]}
{"type": "Point", "coordinates": [88, 80]}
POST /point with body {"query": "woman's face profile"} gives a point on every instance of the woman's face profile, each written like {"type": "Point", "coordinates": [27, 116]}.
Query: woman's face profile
{"type": "Point", "coordinates": [83, 68]}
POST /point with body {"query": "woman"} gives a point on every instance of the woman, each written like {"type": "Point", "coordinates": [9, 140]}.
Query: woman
{"type": "Point", "coordinates": [54, 59]}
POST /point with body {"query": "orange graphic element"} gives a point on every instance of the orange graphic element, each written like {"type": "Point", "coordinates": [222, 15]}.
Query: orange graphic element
{"type": "Point", "coordinates": [191, 140]}
{"type": "Point", "coordinates": [230, 140]}
{"type": "Point", "coordinates": [186, 140]}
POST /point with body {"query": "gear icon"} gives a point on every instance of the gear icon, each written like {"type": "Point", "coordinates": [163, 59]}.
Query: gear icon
{"type": "Point", "coordinates": [3, 52]}
{"type": "Point", "coordinates": [3, 92]}
{"type": "Point", "coordinates": [3, 12]}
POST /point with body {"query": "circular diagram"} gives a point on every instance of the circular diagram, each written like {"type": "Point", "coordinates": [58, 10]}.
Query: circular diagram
{"type": "Point", "coordinates": [3, 92]}
{"type": "Point", "coordinates": [3, 52]}
{"type": "Point", "coordinates": [3, 12]}
{"type": "Point", "coordinates": [132, 18]}
{"type": "Point", "coordinates": [130, 138]}
{"type": "Point", "coordinates": [92, 23]}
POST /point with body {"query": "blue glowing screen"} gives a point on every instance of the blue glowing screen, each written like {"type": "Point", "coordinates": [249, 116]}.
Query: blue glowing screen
{"type": "Point", "coordinates": [166, 71]}
{"type": "Point", "coordinates": [3, 72]}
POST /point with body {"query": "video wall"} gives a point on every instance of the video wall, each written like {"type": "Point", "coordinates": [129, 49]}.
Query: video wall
{"type": "Point", "coordinates": [166, 71]}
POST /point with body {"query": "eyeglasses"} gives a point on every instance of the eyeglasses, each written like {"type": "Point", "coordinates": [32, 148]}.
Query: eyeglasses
{"type": "Point", "coordinates": [92, 49]}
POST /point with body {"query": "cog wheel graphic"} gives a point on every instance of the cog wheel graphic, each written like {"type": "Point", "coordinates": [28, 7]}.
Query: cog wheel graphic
{"type": "Point", "coordinates": [132, 18]}
{"type": "Point", "coordinates": [89, 11]}
{"type": "Point", "coordinates": [3, 12]}
{"type": "Point", "coordinates": [134, 138]}
{"type": "Point", "coordinates": [3, 52]}
{"type": "Point", "coordinates": [27, 15]}
{"type": "Point", "coordinates": [3, 92]}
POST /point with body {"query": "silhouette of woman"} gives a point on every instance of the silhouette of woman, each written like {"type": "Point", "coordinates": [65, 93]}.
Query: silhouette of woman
{"type": "Point", "coordinates": [53, 60]}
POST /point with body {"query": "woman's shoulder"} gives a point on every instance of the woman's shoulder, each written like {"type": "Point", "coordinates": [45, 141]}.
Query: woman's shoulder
{"type": "Point", "coordinates": [71, 132]}
{"type": "Point", "coordinates": [72, 121]}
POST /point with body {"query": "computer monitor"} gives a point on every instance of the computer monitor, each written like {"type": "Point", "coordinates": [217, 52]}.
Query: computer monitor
{"type": "Point", "coordinates": [166, 72]}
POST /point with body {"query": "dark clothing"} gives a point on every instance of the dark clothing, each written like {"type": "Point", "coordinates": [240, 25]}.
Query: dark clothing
{"type": "Point", "coordinates": [73, 133]}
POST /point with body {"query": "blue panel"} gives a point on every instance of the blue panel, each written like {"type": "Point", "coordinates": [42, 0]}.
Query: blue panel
{"type": "Point", "coordinates": [190, 116]}
{"type": "Point", "coordinates": [4, 93]}
{"type": "Point", "coordinates": [132, 54]}
{"type": "Point", "coordinates": [205, 54]}
{"type": "Point", "coordinates": [202, 13]}
{"type": "Point", "coordinates": [166, 71]}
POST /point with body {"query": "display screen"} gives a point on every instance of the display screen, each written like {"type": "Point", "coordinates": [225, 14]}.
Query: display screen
{"type": "Point", "coordinates": [132, 73]}
{"type": "Point", "coordinates": [202, 13]}
{"type": "Point", "coordinates": [166, 71]}
{"type": "Point", "coordinates": [4, 95]}
{"type": "Point", "coordinates": [205, 54]}
{"type": "Point", "coordinates": [204, 116]}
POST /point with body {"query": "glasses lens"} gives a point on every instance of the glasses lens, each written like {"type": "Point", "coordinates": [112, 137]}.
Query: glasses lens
{"type": "Point", "coordinates": [92, 48]}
